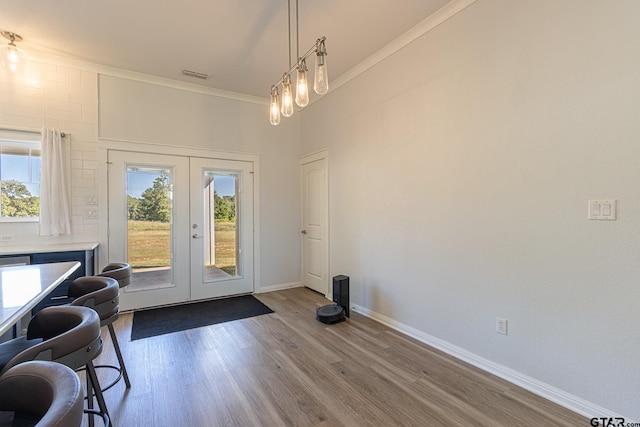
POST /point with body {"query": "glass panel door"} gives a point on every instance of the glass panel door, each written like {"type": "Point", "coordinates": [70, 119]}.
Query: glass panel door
{"type": "Point", "coordinates": [222, 227]}
{"type": "Point", "coordinates": [148, 208]}
{"type": "Point", "coordinates": [185, 224]}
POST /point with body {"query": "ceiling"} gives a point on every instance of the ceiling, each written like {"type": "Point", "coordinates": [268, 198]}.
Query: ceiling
{"type": "Point", "coordinates": [241, 44]}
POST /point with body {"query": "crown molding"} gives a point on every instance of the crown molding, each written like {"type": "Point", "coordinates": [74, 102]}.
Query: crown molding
{"type": "Point", "coordinates": [441, 15]}
{"type": "Point", "coordinates": [142, 77]}
{"type": "Point", "coordinates": [444, 13]}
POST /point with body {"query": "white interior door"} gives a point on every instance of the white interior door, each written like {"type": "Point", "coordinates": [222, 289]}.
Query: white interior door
{"type": "Point", "coordinates": [315, 224]}
{"type": "Point", "coordinates": [184, 224]}
{"type": "Point", "coordinates": [221, 228]}
{"type": "Point", "coordinates": [148, 226]}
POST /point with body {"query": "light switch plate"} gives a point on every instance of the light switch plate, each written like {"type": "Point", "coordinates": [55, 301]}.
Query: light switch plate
{"type": "Point", "coordinates": [602, 209]}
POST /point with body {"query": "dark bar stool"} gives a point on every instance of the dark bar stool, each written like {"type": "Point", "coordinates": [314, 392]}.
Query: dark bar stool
{"type": "Point", "coordinates": [63, 334]}
{"type": "Point", "coordinates": [102, 295]}
{"type": "Point", "coordinates": [120, 271]}
{"type": "Point", "coordinates": [41, 393]}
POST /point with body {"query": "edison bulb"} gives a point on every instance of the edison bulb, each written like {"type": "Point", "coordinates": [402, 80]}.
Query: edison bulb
{"type": "Point", "coordinates": [274, 108]}
{"type": "Point", "coordinates": [287, 97]}
{"type": "Point", "coordinates": [321, 77]}
{"type": "Point", "coordinates": [302, 89]}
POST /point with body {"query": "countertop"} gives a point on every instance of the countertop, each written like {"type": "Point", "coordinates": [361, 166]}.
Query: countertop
{"type": "Point", "coordinates": [23, 287]}
{"type": "Point", "coordinates": [36, 249]}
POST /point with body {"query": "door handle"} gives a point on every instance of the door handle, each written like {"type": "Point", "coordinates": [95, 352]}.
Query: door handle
{"type": "Point", "coordinates": [304, 231]}
{"type": "Point", "coordinates": [195, 236]}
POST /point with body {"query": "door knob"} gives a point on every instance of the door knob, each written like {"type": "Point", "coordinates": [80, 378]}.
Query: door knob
{"type": "Point", "coordinates": [195, 236]}
{"type": "Point", "coordinates": [304, 231]}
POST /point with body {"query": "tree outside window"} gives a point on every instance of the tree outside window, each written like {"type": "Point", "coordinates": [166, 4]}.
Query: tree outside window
{"type": "Point", "coordinates": [19, 180]}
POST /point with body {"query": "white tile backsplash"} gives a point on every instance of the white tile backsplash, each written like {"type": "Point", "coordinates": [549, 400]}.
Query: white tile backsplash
{"type": "Point", "coordinates": [64, 98]}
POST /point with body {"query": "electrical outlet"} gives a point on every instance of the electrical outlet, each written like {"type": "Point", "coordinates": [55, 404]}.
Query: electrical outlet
{"type": "Point", "coordinates": [90, 213]}
{"type": "Point", "coordinates": [501, 326]}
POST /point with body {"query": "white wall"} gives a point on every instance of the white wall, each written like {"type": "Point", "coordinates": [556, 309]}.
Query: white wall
{"type": "Point", "coordinates": [460, 172]}
{"type": "Point", "coordinates": [67, 99]}
{"type": "Point", "coordinates": [143, 112]}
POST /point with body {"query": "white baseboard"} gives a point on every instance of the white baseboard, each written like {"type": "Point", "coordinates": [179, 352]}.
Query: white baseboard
{"type": "Point", "coordinates": [569, 401]}
{"type": "Point", "coordinates": [278, 287]}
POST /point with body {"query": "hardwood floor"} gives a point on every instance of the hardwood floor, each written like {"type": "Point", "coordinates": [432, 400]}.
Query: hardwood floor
{"type": "Point", "coordinates": [287, 369]}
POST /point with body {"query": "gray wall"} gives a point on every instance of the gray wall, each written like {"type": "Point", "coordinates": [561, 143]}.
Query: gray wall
{"type": "Point", "coordinates": [460, 170]}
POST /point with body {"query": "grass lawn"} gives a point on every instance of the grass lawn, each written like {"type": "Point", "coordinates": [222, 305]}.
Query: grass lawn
{"type": "Point", "coordinates": [225, 235]}
{"type": "Point", "coordinates": [149, 245]}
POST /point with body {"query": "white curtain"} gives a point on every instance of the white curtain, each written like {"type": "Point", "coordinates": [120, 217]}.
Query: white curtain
{"type": "Point", "coordinates": [54, 198]}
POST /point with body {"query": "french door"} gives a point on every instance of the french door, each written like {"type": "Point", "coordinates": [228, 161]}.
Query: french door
{"type": "Point", "coordinates": [221, 227]}
{"type": "Point", "coordinates": [185, 224]}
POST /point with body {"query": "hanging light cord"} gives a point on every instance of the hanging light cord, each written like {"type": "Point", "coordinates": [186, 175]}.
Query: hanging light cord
{"type": "Point", "coordinates": [313, 49]}
{"type": "Point", "coordinates": [289, 22]}
{"type": "Point", "coordinates": [297, 36]}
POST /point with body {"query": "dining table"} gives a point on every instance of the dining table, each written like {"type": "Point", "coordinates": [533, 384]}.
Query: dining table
{"type": "Point", "coordinates": [23, 287]}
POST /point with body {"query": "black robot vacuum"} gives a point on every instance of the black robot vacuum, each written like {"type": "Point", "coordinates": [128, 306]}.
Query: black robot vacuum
{"type": "Point", "coordinates": [338, 312]}
{"type": "Point", "coordinates": [330, 314]}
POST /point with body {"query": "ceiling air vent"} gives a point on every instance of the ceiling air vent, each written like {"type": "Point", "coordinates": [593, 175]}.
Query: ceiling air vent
{"type": "Point", "coordinates": [195, 74]}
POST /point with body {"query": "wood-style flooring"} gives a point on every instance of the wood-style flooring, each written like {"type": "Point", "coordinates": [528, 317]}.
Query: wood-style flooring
{"type": "Point", "coordinates": [287, 369]}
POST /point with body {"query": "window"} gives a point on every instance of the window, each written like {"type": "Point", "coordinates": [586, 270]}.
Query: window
{"type": "Point", "coordinates": [19, 176]}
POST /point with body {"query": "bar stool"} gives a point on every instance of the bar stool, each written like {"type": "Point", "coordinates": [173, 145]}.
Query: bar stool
{"type": "Point", "coordinates": [102, 295]}
{"type": "Point", "coordinates": [41, 393]}
{"type": "Point", "coordinates": [120, 271]}
{"type": "Point", "coordinates": [63, 334]}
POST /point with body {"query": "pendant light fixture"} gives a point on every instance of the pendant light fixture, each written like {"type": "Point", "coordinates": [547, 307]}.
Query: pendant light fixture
{"type": "Point", "coordinates": [320, 84]}
{"type": "Point", "coordinates": [13, 58]}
